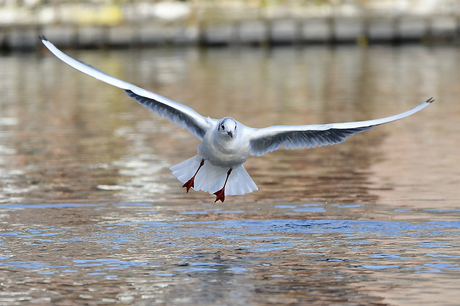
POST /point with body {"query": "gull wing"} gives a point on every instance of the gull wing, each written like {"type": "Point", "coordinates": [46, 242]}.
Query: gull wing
{"type": "Point", "coordinates": [300, 136]}
{"type": "Point", "coordinates": [180, 114]}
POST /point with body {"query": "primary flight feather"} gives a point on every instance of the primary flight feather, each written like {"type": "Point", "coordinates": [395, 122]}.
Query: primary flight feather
{"type": "Point", "coordinates": [226, 143]}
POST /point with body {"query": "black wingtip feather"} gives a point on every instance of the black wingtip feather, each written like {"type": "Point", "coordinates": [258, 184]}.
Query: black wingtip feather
{"type": "Point", "coordinates": [43, 38]}
{"type": "Point", "coordinates": [430, 100]}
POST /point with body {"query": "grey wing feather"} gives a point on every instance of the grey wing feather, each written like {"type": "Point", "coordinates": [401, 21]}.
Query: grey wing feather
{"type": "Point", "coordinates": [180, 114]}
{"type": "Point", "coordinates": [301, 139]}
{"type": "Point", "coordinates": [171, 113]}
{"type": "Point", "coordinates": [309, 136]}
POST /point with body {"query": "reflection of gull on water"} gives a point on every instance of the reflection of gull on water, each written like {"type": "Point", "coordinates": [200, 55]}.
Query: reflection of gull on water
{"type": "Point", "coordinates": [142, 170]}
{"type": "Point", "coordinates": [227, 143]}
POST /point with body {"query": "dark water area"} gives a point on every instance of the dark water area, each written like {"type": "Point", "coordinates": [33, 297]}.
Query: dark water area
{"type": "Point", "coordinates": [90, 213]}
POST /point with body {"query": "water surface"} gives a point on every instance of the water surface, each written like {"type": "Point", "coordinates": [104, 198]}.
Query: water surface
{"type": "Point", "coordinates": [90, 213]}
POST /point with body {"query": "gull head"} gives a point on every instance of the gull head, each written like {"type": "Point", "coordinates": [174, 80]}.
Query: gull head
{"type": "Point", "coordinates": [227, 128]}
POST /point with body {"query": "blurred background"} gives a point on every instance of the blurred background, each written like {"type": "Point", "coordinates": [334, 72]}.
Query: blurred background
{"type": "Point", "coordinates": [334, 61]}
{"type": "Point", "coordinates": [119, 23]}
{"type": "Point", "coordinates": [286, 62]}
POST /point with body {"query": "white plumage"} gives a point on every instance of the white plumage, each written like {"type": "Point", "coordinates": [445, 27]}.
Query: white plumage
{"type": "Point", "coordinates": [211, 178]}
{"type": "Point", "coordinates": [226, 143]}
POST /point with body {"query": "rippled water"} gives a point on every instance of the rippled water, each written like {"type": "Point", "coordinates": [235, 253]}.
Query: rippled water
{"type": "Point", "coordinates": [90, 213]}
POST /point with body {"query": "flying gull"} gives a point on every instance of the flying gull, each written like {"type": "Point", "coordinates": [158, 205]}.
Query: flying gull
{"type": "Point", "coordinates": [226, 143]}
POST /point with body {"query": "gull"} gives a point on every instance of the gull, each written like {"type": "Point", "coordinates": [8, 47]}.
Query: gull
{"type": "Point", "coordinates": [226, 143]}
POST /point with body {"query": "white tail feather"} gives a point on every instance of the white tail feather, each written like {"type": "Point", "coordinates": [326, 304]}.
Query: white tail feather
{"type": "Point", "coordinates": [211, 178]}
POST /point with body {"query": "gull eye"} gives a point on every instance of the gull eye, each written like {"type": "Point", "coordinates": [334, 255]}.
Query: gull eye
{"type": "Point", "coordinates": [222, 126]}
{"type": "Point", "coordinates": [235, 126]}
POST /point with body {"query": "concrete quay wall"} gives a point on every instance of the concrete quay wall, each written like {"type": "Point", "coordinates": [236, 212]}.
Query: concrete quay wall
{"type": "Point", "coordinates": [257, 32]}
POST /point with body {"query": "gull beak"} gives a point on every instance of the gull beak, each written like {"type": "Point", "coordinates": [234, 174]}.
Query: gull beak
{"type": "Point", "coordinates": [230, 134]}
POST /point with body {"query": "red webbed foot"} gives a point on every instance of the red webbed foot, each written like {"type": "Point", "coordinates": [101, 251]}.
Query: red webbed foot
{"type": "Point", "coordinates": [191, 182]}
{"type": "Point", "coordinates": [220, 195]}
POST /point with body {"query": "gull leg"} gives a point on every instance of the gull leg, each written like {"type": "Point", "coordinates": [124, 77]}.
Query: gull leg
{"type": "Point", "coordinates": [220, 195]}
{"type": "Point", "coordinates": [191, 182]}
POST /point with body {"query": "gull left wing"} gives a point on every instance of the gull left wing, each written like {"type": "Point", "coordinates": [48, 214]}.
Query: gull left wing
{"type": "Point", "coordinates": [300, 136]}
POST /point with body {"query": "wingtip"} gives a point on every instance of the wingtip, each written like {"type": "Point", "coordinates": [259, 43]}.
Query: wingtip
{"type": "Point", "coordinates": [43, 38]}
{"type": "Point", "coordinates": [430, 100]}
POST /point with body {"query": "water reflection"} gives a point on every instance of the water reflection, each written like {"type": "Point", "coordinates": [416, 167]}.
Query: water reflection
{"type": "Point", "coordinates": [363, 222]}
{"type": "Point", "coordinates": [163, 254]}
{"type": "Point", "coordinates": [73, 134]}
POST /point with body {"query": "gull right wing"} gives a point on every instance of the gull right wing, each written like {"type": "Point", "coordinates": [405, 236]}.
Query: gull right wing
{"type": "Point", "coordinates": [180, 114]}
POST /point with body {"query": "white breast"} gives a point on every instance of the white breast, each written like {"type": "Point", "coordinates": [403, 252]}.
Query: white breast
{"type": "Point", "coordinates": [228, 152]}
